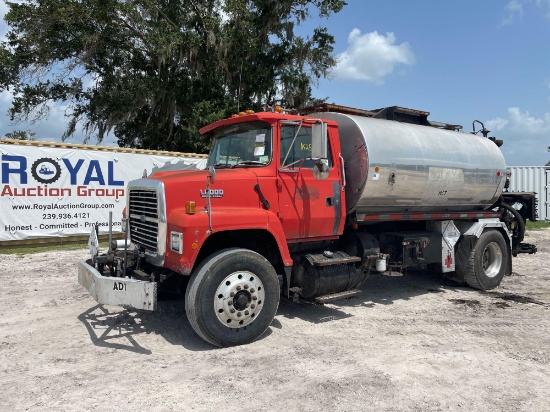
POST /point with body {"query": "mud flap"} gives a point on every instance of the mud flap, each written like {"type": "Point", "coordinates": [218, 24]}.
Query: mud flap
{"type": "Point", "coordinates": [464, 248]}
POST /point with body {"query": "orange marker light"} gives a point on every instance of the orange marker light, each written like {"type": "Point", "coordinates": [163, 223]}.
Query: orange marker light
{"type": "Point", "coordinates": [250, 112]}
{"type": "Point", "coordinates": [233, 116]}
{"type": "Point", "coordinates": [376, 169]}
{"type": "Point", "coordinates": [194, 246]}
{"type": "Point", "coordinates": [190, 207]}
{"type": "Point", "coordinates": [241, 113]}
{"type": "Point", "coordinates": [278, 109]}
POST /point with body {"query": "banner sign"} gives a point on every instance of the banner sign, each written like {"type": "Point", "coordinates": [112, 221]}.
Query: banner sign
{"type": "Point", "coordinates": [53, 192]}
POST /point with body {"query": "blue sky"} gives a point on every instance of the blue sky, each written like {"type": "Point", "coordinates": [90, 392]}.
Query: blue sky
{"type": "Point", "coordinates": [486, 60]}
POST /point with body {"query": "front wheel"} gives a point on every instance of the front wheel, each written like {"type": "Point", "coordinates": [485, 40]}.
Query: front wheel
{"type": "Point", "coordinates": [488, 261]}
{"type": "Point", "coordinates": [232, 297]}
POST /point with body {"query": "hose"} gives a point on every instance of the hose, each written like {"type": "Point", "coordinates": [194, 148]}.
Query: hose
{"type": "Point", "coordinates": [521, 224]}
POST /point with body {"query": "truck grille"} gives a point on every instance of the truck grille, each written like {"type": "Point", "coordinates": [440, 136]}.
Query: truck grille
{"type": "Point", "coordinates": [144, 218]}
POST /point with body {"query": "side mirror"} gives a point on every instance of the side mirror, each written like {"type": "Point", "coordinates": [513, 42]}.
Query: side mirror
{"type": "Point", "coordinates": [319, 143]}
{"type": "Point", "coordinates": [320, 169]}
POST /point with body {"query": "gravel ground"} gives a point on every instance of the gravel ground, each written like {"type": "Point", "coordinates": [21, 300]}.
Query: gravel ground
{"type": "Point", "coordinates": [417, 342]}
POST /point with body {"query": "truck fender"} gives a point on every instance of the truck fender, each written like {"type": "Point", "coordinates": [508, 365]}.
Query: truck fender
{"type": "Point", "coordinates": [477, 228]}
{"type": "Point", "coordinates": [276, 229]}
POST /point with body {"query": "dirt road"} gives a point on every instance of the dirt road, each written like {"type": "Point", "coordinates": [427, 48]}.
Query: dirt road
{"type": "Point", "coordinates": [417, 342]}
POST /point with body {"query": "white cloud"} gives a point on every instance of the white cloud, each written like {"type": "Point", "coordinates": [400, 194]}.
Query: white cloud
{"type": "Point", "coordinates": [50, 129]}
{"type": "Point", "coordinates": [5, 104]}
{"type": "Point", "coordinates": [545, 5]}
{"type": "Point", "coordinates": [512, 9]}
{"type": "Point", "coordinates": [526, 137]}
{"type": "Point", "coordinates": [372, 56]}
{"type": "Point", "coordinates": [3, 25]}
{"type": "Point", "coordinates": [5, 97]}
{"type": "Point", "coordinates": [516, 9]}
{"type": "Point", "coordinates": [523, 121]}
{"type": "Point", "coordinates": [222, 13]}
{"type": "Point", "coordinates": [496, 124]}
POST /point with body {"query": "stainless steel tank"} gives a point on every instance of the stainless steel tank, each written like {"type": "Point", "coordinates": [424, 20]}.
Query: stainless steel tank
{"type": "Point", "coordinates": [399, 167]}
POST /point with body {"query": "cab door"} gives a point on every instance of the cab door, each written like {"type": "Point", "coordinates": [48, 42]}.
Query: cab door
{"type": "Point", "coordinates": [308, 208]}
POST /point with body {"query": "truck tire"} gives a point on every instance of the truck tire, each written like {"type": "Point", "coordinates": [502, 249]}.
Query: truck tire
{"type": "Point", "coordinates": [232, 297]}
{"type": "Point", "coordinates": [488, 259]}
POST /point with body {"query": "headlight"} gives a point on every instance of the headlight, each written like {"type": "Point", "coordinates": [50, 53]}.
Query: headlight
{"type": "Point", "coordinates": [176, 242]}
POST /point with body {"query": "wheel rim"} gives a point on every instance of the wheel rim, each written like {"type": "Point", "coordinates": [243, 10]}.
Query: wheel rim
{"type": "Point", "coordinates": [239, 299]}
{"type": "Point", "coordinates": [492, 260]}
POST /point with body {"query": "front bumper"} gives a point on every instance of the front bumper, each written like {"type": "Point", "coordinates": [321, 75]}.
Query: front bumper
{"type": "Point", "coordinates": [115, 291]}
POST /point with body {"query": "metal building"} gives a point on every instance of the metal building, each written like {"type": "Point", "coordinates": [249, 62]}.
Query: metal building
{"type": "Point", "coordinates": [533, 179]}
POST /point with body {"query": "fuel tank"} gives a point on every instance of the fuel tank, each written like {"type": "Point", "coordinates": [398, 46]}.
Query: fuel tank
{"type": "Point", "coordinates": [399, 167]}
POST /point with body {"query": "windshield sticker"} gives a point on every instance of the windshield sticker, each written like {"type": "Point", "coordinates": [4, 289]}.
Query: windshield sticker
{"type": "Point", "coordinates": [259, 151]}
{"type": "Point", "coordinates": [260, 138]}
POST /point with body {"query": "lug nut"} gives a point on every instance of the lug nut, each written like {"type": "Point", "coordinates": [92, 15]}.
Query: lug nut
{"type": "Point", "coordinates": [239, 314]}
{"type": "Point", "coordinates": [232, 294]}
{"type": "Point", "coordinates": [230, 302]}
{"type": "Point", "coordinates": [252, 290]}
{"type": "Point", "coordinates": [232, 310]}
{"type": "Point", "coordinates": [252, 306]}
{"type": "Point", "coordinates": [246, 312]}
{"type": "Point", "coordinates": [246, 286]}
{"type": "Point", "coordinates": [238, 288]}
{"type": "Point", "coordinates": [254, 297]}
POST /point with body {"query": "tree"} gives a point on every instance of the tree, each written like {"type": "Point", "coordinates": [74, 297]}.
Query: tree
{"type": "Point", "coordinates": [21, 135]}
{"type": "Point", "coordinates": [153, 72]}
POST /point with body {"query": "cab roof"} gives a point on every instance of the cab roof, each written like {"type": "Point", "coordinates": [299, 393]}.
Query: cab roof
{"type": "Point", "coordinates": [267, 117]}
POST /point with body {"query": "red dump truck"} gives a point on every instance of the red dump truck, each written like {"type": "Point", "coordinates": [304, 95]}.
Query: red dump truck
{"type": "Point", "coordinates": [305, 206]}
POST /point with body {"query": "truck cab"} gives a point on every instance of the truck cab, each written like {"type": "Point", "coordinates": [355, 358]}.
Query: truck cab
{"type": "Point", "coordinates": [262, 189]}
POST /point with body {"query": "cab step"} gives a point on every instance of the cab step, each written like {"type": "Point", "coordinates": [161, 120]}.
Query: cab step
{"type": "Point", "coordinates": [335, 296]}
{"type": "Point", "coordinates": [324, 260]}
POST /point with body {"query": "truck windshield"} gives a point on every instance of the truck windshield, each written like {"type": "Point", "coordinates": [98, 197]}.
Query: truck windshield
{"type": "Point", "coordinates": [241, 145]}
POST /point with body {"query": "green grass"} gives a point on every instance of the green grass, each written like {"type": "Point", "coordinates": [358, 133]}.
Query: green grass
{"type": "Point", "coordinates": [24, 250]}
{"type": "Point", "coordinates": [539, 225]}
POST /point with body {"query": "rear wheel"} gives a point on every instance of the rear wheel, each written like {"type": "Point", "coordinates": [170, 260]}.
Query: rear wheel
{"type": "Point", "coordinates": [488, 260]}
{"type": "Point", "coordinates": [232, 297]}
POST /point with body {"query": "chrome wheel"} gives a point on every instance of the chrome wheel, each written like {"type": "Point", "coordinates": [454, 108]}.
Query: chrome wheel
{"type": "Point", "coordinates": [238, 299]}
{"type": "Point", "coordinates": [492, 260]}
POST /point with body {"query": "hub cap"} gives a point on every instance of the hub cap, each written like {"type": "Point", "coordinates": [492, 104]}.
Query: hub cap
{"type": "Point", "coordinates": [492, 260]}
{"type": "Point", "coordinates": [239, 299]}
